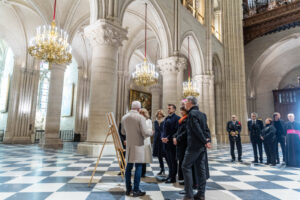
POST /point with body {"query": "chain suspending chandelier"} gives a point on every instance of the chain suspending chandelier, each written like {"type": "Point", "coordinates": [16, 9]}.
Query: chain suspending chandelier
{"type": "Point", "coordinates": [51, 44]}
{"type": "Point", "coordinates": [189, 88]}
{"type": "Point", "coordinates": [145, 73]}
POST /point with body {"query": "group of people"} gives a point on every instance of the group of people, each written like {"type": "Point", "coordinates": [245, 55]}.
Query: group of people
{"type": "Point", "coordinates": [274, 132]}
{"type": "Point", "coordinates": [181, 141]}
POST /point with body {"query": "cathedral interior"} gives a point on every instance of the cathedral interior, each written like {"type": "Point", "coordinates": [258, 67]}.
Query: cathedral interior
{"type": "Point", "coordinates": [66, 64]}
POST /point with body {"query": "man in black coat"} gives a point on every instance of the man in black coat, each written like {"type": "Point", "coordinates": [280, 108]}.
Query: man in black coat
{"type": "Point", "coordinates": [255, 127]}
{"type": "Point", "coordinates": [170, 129]}
{"type": "Point", "coordinates": [280, 133]}
{"type": "Point", "coordinates": [197, 142]}
{"type": "Point", "coordinates": [234, 129]}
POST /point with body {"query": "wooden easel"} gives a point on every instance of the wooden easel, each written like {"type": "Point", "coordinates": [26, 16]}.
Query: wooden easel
{"type": "Point", "coordinates": [113, 131]}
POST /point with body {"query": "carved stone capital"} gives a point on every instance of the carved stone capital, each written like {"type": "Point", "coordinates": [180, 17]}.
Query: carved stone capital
{"type": "Point", "coordinates": [204, 79]}
{"type": "Point", "coordinates": [104, 32]}
{"type": "Point", "coordinates": [172, 64]}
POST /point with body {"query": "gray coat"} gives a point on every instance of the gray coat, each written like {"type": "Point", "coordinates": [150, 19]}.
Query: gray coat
{"type": "Point", "coordinates": [135, 128]}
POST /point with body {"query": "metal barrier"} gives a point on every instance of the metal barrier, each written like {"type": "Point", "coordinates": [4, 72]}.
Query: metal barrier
{"type": "Point", "coordinates": [1, 135]}
{"type": "Point", "coordinates": [66, 135]}
{"type": "Point", "coordinates": [39, 134]}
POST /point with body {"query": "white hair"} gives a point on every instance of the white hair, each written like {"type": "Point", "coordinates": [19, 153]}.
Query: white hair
{"type": "Point", "coordinates": [136, 105]}
{"type": "Point", "coordinates": [291, 114]}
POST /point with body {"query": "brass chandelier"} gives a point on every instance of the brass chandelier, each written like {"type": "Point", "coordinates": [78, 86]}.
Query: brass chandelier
{"type": "Point", "coordinates": [189, 88]}
{"type": "Point", "coordinates": [145, 73]}
{"type": "Point", "coordinates": [51, 44]}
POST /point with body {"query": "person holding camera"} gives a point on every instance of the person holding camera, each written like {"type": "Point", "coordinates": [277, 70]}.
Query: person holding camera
{"type": "Point", "coordinates": [255, 127]}
{"type": "Point", "coordinates": [234, 129]}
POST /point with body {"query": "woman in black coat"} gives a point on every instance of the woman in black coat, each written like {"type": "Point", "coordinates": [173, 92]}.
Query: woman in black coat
{"type": "Point", "coordinates": [158, 146]}
{"type": "Point", "coordinates": [268, 136]}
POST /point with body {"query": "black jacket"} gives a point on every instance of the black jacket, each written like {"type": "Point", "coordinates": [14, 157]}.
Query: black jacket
{"type": "Point", "coordinates": [292, 125]}
{"type": "Point", "coordinates": [197, 130]}
{"type": "Point", "coordinates": [255, 130]}
{"type": "Point", "coordinates": [269, 134]}
{"type": "Point", "coordinates": [280, 128]}
{"type": "Point", "coordinates": [231, 126]}
{"type": "Point", "coordinates": [158, 145]}
{"type": "Point", "coordinates": [181, 138]}
{"type": "Point", "coordinates": [170, 128]}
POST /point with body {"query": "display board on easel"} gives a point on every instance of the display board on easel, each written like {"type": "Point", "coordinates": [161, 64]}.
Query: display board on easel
{"type": "Point", "coordinates": [113, 131]}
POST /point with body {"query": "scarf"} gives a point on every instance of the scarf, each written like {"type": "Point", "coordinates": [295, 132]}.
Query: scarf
{"type": "Point", "coordinates": [182, 119]}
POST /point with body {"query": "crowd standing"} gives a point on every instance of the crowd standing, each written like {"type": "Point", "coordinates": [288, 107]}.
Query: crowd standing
{"type": "Point", "coordinates": [183, 143]}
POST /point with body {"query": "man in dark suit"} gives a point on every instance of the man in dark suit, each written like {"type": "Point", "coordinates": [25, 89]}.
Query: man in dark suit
{"type": "Point", "coordinates": [255, 126]}
{"type": "Point", "coordinates": [198, 139]}
{"type": "Point", "coordinates": [281, 134]}
{"type": "Point", "coordinates": [234, 129]}
{"type": "Point", "coordinates": [170, 129]}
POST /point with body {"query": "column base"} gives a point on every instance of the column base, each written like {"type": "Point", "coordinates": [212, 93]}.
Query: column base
{"type": "Point", "coordinates": [52, 143]}
{"type": "Point", "coordinates": [93, 149]}
{"type": "Point", "coordinates": [17, 140]}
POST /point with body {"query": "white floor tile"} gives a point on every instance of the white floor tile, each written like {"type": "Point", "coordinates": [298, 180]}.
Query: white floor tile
{"type": "Point", "coordinates": [44, 187]}
{"type": "Point", "coordinates": [68, 195]}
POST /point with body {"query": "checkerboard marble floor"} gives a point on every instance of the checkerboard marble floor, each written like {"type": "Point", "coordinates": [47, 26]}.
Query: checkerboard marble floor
{"type": "Point", "coordinates": [28, 172]}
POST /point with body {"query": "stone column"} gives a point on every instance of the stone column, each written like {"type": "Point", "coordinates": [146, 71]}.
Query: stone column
{"type": "Point", "coordinates": [105, 37]}
{"type": "Point", "coordinates": [205, 83]}
{"type": "Point", "coordinates": [21, 112]}
{"type": "Point", "coordinates": [234, 62]}
{"type": "Point", "coordinates": [169, 68]}
{"type": "Point", "coordinates": [52, 126]}
{"type": "Point", "coordinates": [82, 105]}
{"type": "Point", "coordinates": [156, 99]}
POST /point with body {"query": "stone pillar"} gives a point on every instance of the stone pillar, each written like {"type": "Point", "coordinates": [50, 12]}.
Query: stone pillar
{"type": "Point", "coordinates": [52, 126]}
{"type": "Point", "coordinates": [234, 62]}
{"type": "Point", "coordinates": [22, 105]}
{"type": "Point", "coordinates": [169, 68]}
{"type": "Point", "coordinates": [206, 101]}
{"type": "Point", "coordinates": [105, 37]}
{"type": "Point", "coordinates": [156, 100]}
{"type": "Point", "coordinates": [82, 105]}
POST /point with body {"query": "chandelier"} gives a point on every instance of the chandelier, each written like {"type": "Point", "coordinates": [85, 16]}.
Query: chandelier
{"type": "Point", "coordinates": [189, 88]}
{"type": "Point", "coordinates": [51, 44]}
{"type": "Point", "coordinates": [145, 74]}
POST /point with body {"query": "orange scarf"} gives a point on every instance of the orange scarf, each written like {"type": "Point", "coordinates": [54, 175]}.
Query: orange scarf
{"type": "Point", "coordinates": [182, 119]}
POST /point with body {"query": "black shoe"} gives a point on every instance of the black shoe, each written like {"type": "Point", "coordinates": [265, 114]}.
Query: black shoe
{"type": "Point", "coordinates": [138, 193]}
{"type": "Point", "coordinates": [255, 161]}
{"type": "Point", "coordinates": [128, 192]}
{"type": "Point", "coordinates": [240, 160]}
{"type": "Point", "coordinates": [232, 160]}
{"type": "Point", "coordinates": [119, 174]}
{"type": "Point", "coordinates": [181, 183]}
{"type": "Point", "coordinates": [182, 192]}
{"type": "Point", "coordinates": [170, 181]}
{"type": "Point", "coordinates": [195, 187]}
{"type": "Point", "coordinates": [260, 161]}
{"type": "Point", "coordinates": [273, 164]}
{"type": "Point", "coordinates": [267, 163]}
{"type": "Point", "coordinates": [199, 196]}
{"type": "Point", "coordinates": [162, 172]}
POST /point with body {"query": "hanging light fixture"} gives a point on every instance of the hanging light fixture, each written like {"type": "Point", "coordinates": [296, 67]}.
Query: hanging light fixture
{"type": "Point", "coordinates": [189, 88]}
{"type": "Point", "coordinates": [51, 44]}
{"type": "Point", "coordinates": [145, 73]}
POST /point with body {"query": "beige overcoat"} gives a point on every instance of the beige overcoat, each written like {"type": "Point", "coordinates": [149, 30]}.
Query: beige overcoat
{"type": "Point", "coordinates": [135, 128]}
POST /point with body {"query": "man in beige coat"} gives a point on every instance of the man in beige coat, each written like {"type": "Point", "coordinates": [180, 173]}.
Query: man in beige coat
{"type": "Point", "coordinates": [135, 128]}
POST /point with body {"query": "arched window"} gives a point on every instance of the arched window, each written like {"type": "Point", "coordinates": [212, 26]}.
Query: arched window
{"type": "Point", "coordinates": [216, 25]}
{"type": "Point", "coordinates": [197, 8]}
{"type": "Point", "coordinates": [6, 70]}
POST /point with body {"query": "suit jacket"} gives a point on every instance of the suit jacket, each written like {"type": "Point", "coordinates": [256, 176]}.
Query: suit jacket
{"type": "Point", "coordinates": [255, 130]}
{"type": "Point", "coordinates": [135, 128]}
{"type": "Point", "coordinates": [196, 129]}
{"type": "Point", "coordinates": [269, 134]}
{"type": "Point", "coordinates": [234, 126]}
{"type": "Point", "coordinates": [170, 128]}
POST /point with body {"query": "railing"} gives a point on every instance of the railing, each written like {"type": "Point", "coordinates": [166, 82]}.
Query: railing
{"type": "Point", "coordinates": [64, 135]}
{"type": "Point", "coordinates": [1, 135]}
{"type": "Point", "coordinates": [194, 8]}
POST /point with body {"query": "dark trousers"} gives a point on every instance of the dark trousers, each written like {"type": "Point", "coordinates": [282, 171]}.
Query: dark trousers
{"type": "Point", "coordinates": [171, 160]}
{"type": "Point", "coordinates": [197, 159]}
{"type": "Point", "coordinates": [180, 173]}
{"type": "Point", "coordinates": [237, 141]}
{"type": "Point", "coordinates": [161, 163]}
{"type": "Point", "coordinates": [137, 176]}
{"type": "Point", "coordinates": [144, 167]}
{"type": "Point", "coordinates": [257, 144]}
{"type": "Point", "coordinates": [281, 141]}
{"type": "Point", "coordinates": [270, 152]}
